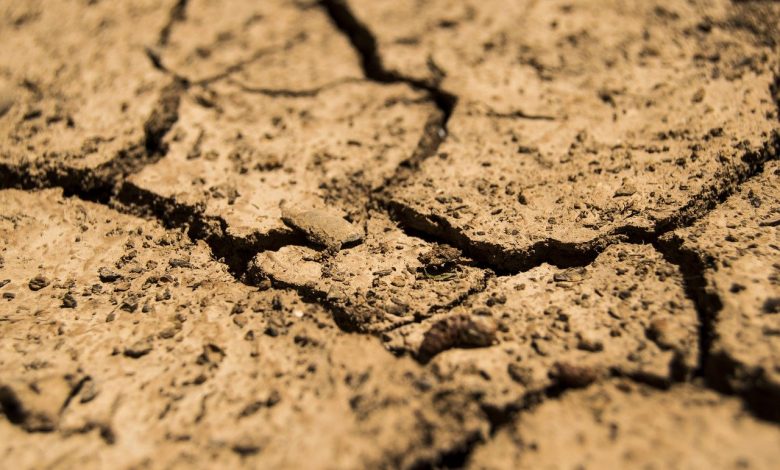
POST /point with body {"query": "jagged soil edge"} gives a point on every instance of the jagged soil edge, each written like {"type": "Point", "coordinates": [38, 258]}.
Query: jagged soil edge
{"type": "Point", "coordinates": [177, 14]}
{"type": "Point", "coordinates": [719, 371]}
{"type": "Point", "coordinates": [728, 184]}
{"type": "Point", "coordinates": [564, 254]}
{"type": "Point", "coordinates": [365, 44]}
{"type": "Point", "coordinates": [98, 184]}
{"type": "Point", "coordinates": [233, 251]}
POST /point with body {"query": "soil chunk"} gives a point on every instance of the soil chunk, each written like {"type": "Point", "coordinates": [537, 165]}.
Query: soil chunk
{"type": "Point", "coordinates": [737, 259]}
{"type": "Point", "coordinates": [376, 285]}
{"type": "Point", "coordinates": [626, 312]}
{"type": "Point", "coordinates": [507, 184]}
{"type": "Point", "coordinates": [619, 425]}
{"type": "Point", "coordinates": [93, 109]}
{"type": "Point", "coordinates": [38, 282]}
{"type": "Point", "coordinates": [322, 227]}
{"type": "Point", "coordinates": [107, 275]}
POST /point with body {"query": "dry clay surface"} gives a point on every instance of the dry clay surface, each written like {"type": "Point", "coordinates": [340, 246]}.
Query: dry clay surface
{"type": "Point", "coordinates": [389, 234]}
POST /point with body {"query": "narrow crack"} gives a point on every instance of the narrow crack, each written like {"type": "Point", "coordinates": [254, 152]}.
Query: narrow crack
{"type": "Point", "coordinates": [74, 391]}
{"type": "Point", "coordinates": [693, 266]}
{"type": "Point", "coordinates": [493, 257]}
{"type": "Point", "coordinates": [365, 43]}
{"type": "Point", "coordinates": [462, 299]}
{"type": "Point", "coordinates": [500, 417]}
{"type": "Point", "coordinates": [717, 368]}
{"type": "Point", "coordinates": [456, 457]}
{"type": "Point", "coordinates": [344, 318]}
{"type": "Point", "coordinates": [154, 55]}
{"type": "Point", "coordinates": [519, 114]}
{"type": "Point", "coordinates": [177, 15]}
{"type": "Point", "coordinates": [258, 54]}
{"type": "Point", "coordinates": [292, 93]}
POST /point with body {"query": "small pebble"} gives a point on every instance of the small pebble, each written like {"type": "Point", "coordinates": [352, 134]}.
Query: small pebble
{"type": "Point", "coordinates": [107, 275]}
{"type": "Point", "coordinates": [139, 348]}
{"type": "Point", "coordinates": [38, 283]}
{"type": "Point", "coordinates": [68, 301]}
{"type": "Point", "coordinates": [625, 190]}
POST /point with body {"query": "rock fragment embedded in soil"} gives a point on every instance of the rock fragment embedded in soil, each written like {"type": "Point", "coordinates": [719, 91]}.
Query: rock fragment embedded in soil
{"type": "Point", "coordinates": [440, 257]}
{"type": "Point", "coordinates": [69, 301]}
{"type": "Point", "coordinates": [107, 275]}
{"type": "Point", "coordinates": [322, 227]}
{"type": "Point", "coordinates": [140, 348]}
{"type": "Point", "coordinates": [38, 282]}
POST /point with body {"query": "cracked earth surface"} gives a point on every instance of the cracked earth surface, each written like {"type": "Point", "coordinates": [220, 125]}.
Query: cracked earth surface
{"type": "Point", "coordinates": [389, 234]}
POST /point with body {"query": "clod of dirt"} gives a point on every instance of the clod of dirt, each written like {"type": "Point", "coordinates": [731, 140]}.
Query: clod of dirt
{"type": "Point", "coordinates": [322, 227]}
{"type": "Point", "coordinates": [570, 327]}
{"type": "Point", "coordinates": [38, 282]}
{"type": "Point", "coordinates": [319, 150]}
{"type": "Point", "coordinates": [439, 258]}
{"type": "Point", "coordinates": [140, 348]}
{"type": "Point", "coordinates": [78, 122]}
{"type": "Point", "coordinates": [641, 161]}
{"type": "Point", "coordinates": [457, 331]}
{"type": "Point", "coordinates": [107, 275]}
{"type": "Point", "coordinates": [68, 301]}
{"type": "Point", "coordinates": [572, 375]}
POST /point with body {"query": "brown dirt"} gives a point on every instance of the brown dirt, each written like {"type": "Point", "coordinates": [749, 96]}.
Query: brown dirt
{"type": "Point", "coordinates": [389, 234]}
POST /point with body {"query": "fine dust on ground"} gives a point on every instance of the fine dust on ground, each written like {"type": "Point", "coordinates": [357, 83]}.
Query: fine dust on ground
{"type": "Point", "coordinates": [389, 234]}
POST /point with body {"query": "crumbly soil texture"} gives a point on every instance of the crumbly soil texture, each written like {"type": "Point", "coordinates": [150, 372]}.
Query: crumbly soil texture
{"type": "Point", "coordinates": [349, 234]}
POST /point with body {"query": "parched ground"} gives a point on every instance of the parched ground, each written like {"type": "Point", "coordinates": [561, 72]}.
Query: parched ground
{"type": "Point", "coordinates": [389, 234]}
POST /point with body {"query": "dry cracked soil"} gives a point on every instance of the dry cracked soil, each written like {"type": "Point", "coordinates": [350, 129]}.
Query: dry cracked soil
{"type": "Point", "coordinates": [389, 234]}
